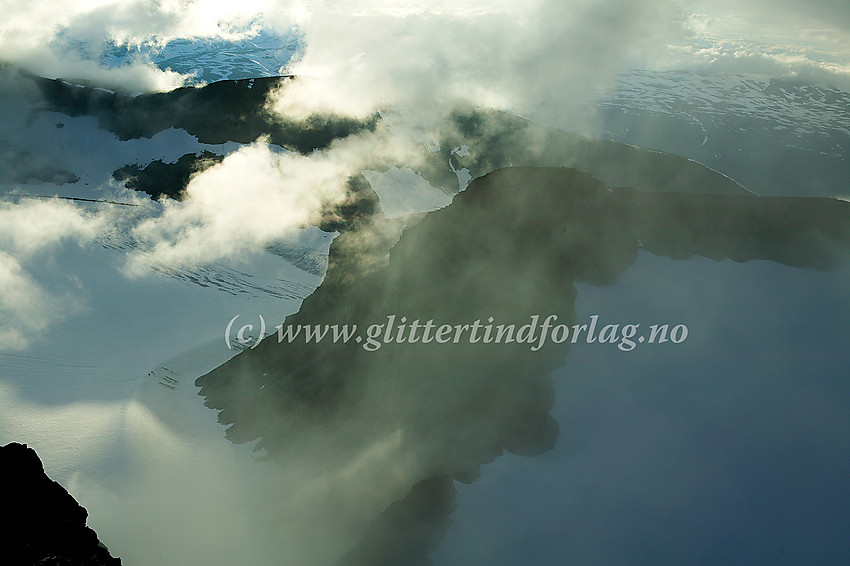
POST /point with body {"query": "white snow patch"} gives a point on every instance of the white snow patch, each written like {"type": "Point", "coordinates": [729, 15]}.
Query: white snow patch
{"type": "Point", "coordinates": [464, 177]}
{"type": "Point", "coordinates": [402, 191]}
{"type": "Point", "coordinates": [462, 151]}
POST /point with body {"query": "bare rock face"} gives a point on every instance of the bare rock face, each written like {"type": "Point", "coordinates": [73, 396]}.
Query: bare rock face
{"type": "Point", "coordinates": [42, 524]}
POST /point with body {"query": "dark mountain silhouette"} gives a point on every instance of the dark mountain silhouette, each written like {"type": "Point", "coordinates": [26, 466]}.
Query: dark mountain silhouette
{"type": "Point", "coordinates": [224, 111]}
{"type": "Point", "coordinates": [42, 523]}
{"type": "Point", "coordinates": [165, 180]}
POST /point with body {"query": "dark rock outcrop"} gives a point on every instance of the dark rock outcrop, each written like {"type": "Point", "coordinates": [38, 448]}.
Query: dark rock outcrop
{"type": "Point", "coordinates": [160, 179]}
{"type": "Point", "coordinates": [43, 524]}
{"type": "Point", "coordinates": [216, 113]}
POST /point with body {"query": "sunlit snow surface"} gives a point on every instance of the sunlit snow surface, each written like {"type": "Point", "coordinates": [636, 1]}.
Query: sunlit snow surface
{"type": "Point", "coordinates": [210, 60]}
{"type": "Point", "coordinates": [777, 137]}
{"type": "Point", "coordinates": [401, 191]}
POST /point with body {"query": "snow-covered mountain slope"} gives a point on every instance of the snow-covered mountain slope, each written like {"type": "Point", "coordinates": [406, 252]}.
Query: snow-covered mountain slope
{"type": "Point", "coordinates": [774, 136]}
{"type": "Point", "coordinates": [262, 55]}
{"type": "Point", "coordinates": [804, 110]}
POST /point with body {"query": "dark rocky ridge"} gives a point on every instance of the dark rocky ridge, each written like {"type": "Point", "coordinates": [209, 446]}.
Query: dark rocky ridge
{"type": "Point", "coordinates": [43, 524]}
{"type": "Point", "coordinates": [165, 180]}
{"type": "Point", "coordinates": [233, 110]}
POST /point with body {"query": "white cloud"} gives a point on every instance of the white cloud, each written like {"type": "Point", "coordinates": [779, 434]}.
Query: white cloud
{"type": "Point", "coordinates": [254, 197]}
{"type": "Point", "coordinates": [539, 58]}
{"type": "Point", "coordinates": [544, 53]}
{"type": "Point", "coordinates": [27, 230]}
{"type": "Point", "coordinates": [771, 44]}
{"type": "Point", "coordinates": [735, 58]}
{"type": "Point", "coordinates": [257, 195]}
{"type": "Point", "coordinates": [30, 226]}
{"type": "Point", "coordinates": [65, 39]}
{"type": "Point", "coordinates": [827, 14]}
{"type": "Point", "coordinates": [373, 52]}
{"type": "Point", "coordinates": [24, 307]}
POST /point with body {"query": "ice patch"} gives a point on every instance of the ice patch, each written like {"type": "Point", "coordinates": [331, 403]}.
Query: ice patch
{"type": "Point", "coordinates": [402, 191]}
